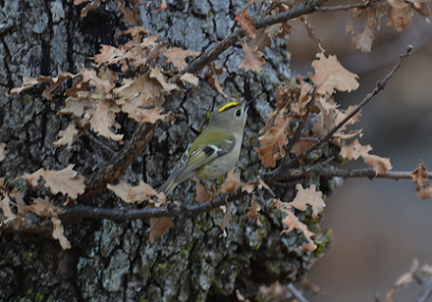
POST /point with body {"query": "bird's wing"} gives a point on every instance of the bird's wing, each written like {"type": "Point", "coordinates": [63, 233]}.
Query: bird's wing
{"type": "Point", "coordinates": [207, 153]}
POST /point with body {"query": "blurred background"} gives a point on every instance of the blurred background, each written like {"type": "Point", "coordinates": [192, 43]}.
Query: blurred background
{"type": "Point", "coordinates": [379, 225]}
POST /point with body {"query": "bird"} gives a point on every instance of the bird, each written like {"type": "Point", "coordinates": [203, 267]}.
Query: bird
{"type": "Point", "coordinates": [216, 149]}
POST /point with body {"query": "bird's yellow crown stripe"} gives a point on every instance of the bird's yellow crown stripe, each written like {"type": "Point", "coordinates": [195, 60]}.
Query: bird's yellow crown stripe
{"type": "Point", "coordinates": [228, 105]}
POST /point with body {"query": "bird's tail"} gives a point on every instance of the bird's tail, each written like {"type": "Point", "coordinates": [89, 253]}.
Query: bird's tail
{"type": "Point", "coordinates": [168, 186]}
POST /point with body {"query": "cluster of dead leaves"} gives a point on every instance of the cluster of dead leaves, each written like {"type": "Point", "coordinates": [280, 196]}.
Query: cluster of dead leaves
{"type": "Point", "coordinates": [97, 96]}
{"type": "Point", "coordinates": [304, 198]}
{"type": "Point", "coordinates": [259, 39]}
{"type": "Point", "coordinates": [293, 103]}
{"type": "Point", "coordinates": [399, 13]}
{"type": "Point", "coordinates": [67, 182]}
{"type": "Point", "coordinates": [15, 209]}
{"type": "Point", "coordinates": [145, 193]}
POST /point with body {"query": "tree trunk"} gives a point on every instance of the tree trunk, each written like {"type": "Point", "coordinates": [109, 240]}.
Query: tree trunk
{"type": "Point", "coordinates": [114, 261]}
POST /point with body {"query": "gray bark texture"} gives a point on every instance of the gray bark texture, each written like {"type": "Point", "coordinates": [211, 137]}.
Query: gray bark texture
{"type": "Point", "coordinates": [114, 261]}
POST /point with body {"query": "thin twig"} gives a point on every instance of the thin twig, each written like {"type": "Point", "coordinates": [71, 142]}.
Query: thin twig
{"type": "Point", "coordinates": [83, 211]}
{"type": "Point", "coordinates": [280, 172]}
{"type": "Point", "coordinates": [298, 295]}
{"type": "Point", "coordinates": [426, 293]}
{"type": "Point", "coordinates": [351, 173]}
{"type": "Point", "coordinates": [345, 7]}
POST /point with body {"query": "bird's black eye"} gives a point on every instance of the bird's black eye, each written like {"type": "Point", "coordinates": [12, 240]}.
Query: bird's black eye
{"type": "Point", "coordinates": [238, 112]}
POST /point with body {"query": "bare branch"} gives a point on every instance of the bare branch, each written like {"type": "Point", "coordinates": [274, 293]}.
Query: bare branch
{"type": "Point", "coordinates": [329, 172]}
{"type": "Point", "coordinates": [280, 172]}
{"type": "Point", "coordinates": [83, 211]}
{"type": "Point", "coordinates": [345, 7]}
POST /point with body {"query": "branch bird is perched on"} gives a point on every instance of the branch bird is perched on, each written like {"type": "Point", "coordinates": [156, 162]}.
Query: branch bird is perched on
{"type": "Point", "coordinates": [215, 151]}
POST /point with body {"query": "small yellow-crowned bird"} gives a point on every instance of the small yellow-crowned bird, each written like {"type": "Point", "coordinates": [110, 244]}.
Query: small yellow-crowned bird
{"type": "Point", "coordinates": [215, 151]}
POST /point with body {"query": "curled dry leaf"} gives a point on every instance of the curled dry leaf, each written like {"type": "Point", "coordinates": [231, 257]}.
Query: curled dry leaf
{"type": "Point", "coordinates": [21, 206]}
{"type": "Point", "coordinates": [177, 56]}
{"type": "Point", "coordinates": [89, 7]}
{"type": "Point", "coordinates": [159, 226]}
{"type": "Point", "coordinates": [226, 218]}
{"type": "Point", "coordinates": [419, 177]}
{"type": "Point", "coordinates": [363, 41]}
{"type": "Point", "coordinates": [246, 24]}
{"type": "Point", "coordinates": [261, 184]}
{"type": "Point", "coordinates": [301, 145]}
{"type": "Point", "coordinates": [254, 213]}
{"type": "Point", "coordinates": [355, 150]}
{"type": "Point", "coordinates": [399, 15]}
{"type": "Point", "coordinates": [405, 279]}
{"type": "Point", "coordinates": [379, 164]}
{"type": "Point", "coordinates": [212, 79]}
{"type": "Point", "coordinates": [142, 192]}
{"type": "Point", "coordinates": [44, 208]}
{"type": "Point", "coordinates": [262, 40]}
{"type": "Point", "coordinates": [240, 297]}
{"type": "Point", "coordinates": [134, 32]}
{"type": "Point", "coordinates": [32, 179]}
{"type": "Point", "coordinates": [273, 142]}
{"type": "Point", "coordinates": [253, 58]}
{"type": "Point", "coordinates": [330, 75]}
{"type": "Point", "coordinates": [341, 115]}
{"type": "Point", "coordinates": [201, 195]}
{"type": "Point", "coordinates": [5, 204]}
{"type": "Point", "coordinates": [162, 6]}
{"type": "Point", "coordinates": [66, 181]}
{"type": "Point", "coordinates": [103, 119]}
{"type": "Point", "coordinates": [76, 106]}
{"type": "Point", "coordinates": [292, 222]}
{"type": "Point", "coordinates": [137, 95]}
{"type": "Point", "coordinates": [134, 54]}
{"type": "Point", "coordinates": [67, 136]}
{"type": "Point", "coordinates": [129, 16]}
{"type": "Point", "coordinates": [190, 78]}
{"type": "Point", "coordinates": [55, 82]}
{"type": "Point", "coordinates": [421, 7]}
{"type": "Point", "coordinates": [157, 74]}
{"type": "Point", "coordinates": [58, 233]}
{"type": "Point", "coordinates": [103, 80]}
{"type": "Point", "coordinates": [231, 183]}
{"type": "Point", "coordinates": [310, 197]}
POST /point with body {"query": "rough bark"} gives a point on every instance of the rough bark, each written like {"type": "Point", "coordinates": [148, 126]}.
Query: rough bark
{"type": "Point", "coordinates": [112, 261]}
